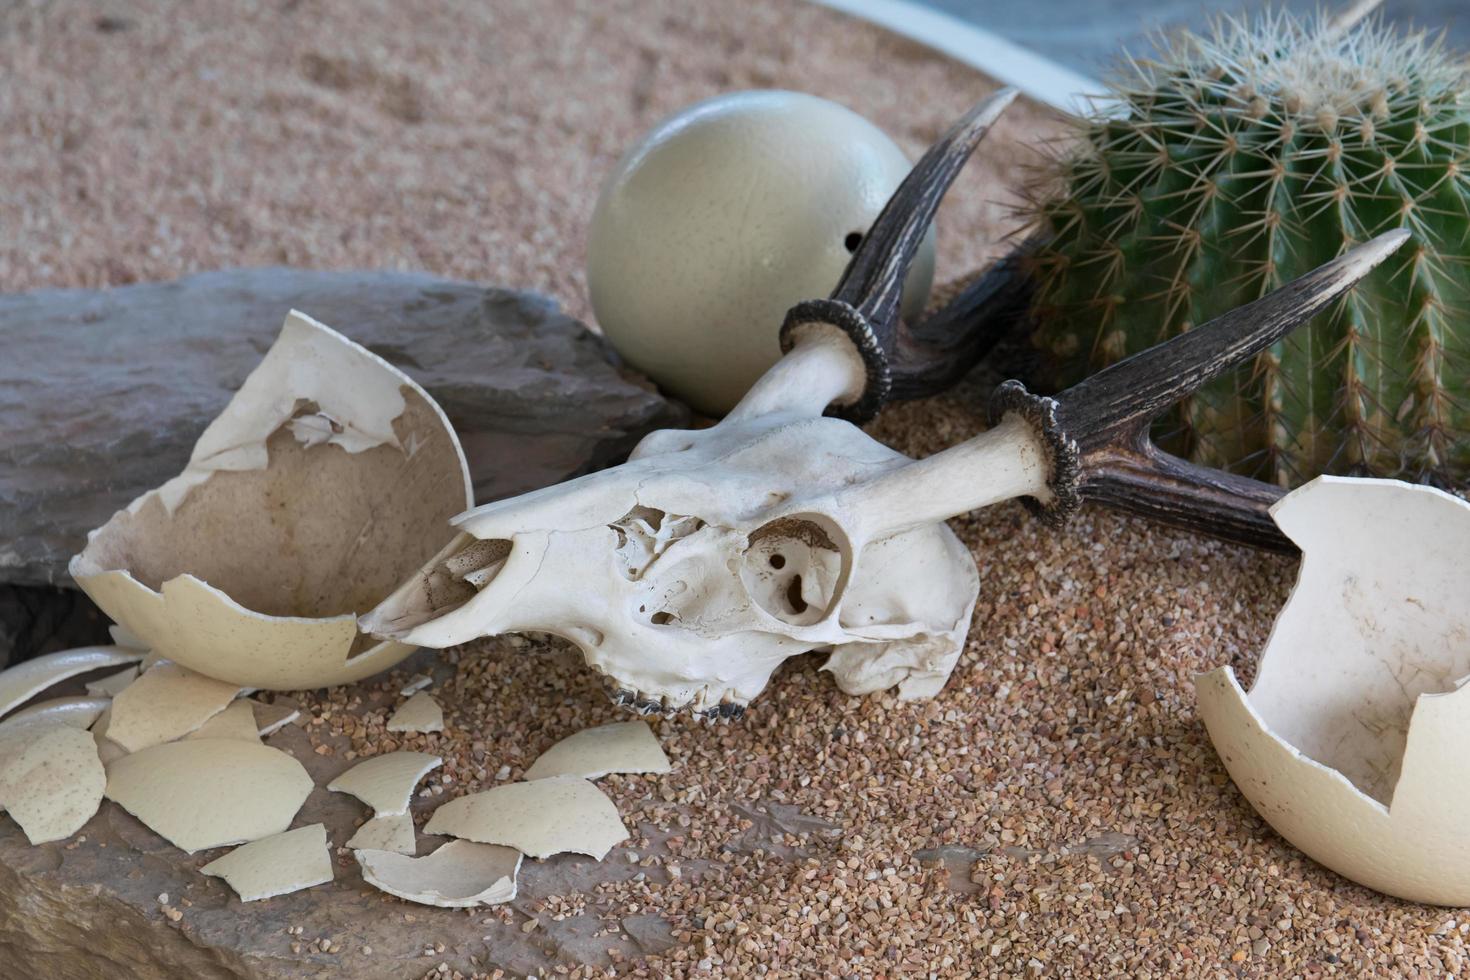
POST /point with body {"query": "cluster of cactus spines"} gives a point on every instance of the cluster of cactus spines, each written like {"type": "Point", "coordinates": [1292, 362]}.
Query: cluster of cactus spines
{"type": "Point", "coordinates": [1236, 162]}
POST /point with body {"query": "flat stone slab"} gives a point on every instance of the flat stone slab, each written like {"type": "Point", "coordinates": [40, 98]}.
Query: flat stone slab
{"type": "Point", "coordinates": [103, 393]}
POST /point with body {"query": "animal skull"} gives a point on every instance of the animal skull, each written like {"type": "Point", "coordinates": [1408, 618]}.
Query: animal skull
{"type": "Point", "coordinates": [688, 574]}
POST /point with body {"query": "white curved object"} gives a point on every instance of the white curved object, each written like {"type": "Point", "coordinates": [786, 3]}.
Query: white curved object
{"type": "Point", "coordinates": [251, 565]}
{"type": "Point", "coordinates": [720, 219]}
{"type": "Point", "coordinates": [1354, 741]}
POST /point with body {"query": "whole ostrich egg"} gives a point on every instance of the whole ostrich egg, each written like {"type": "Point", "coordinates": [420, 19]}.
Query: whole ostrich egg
{"type": "Point", "coordinates": [723, 217]}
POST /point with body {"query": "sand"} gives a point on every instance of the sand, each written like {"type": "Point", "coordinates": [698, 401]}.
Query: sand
{"type": "Point", "coordinates": [1057, 811]}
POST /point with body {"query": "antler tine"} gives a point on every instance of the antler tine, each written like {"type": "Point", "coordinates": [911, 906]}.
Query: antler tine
{"type": "Point", "coordinates": [940, 350]}
{"type": "Point", "coordinates": [865, 303]}
{"type": "Point", "coordinates": [1129, 394]}
{"type": "Point", "coordinates": [873, 280]}
{"type": "Point", "coordinates": [1098, 430]}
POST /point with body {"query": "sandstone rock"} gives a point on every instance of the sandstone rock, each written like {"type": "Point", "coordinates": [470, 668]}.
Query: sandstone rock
{"type": "Point", "coordinates": [103, 393]}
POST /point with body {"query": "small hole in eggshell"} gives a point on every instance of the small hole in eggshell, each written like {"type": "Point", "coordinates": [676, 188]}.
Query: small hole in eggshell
{"type": "Point", "coordinates": [778, 561]}
{"type": "Point", "coordinates": [852, 241]}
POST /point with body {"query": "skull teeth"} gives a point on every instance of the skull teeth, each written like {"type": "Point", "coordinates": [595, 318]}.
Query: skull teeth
{"type": "Point", "coordinates": [649, 704]}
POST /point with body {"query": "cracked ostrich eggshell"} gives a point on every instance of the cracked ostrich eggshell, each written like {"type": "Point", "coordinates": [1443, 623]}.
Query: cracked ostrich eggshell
{"type": "Point", "coordinates": [51, 780]}
{"type": "Point", "coordinates": [277, 865]}
{"type": "Point", "coordinates": [210, 792]}
{"type": "Point", "coordinates": [539, 818]}
{"type": "Point", "coordinates": [723, 217]}
{"type": "Point", "coordinates": [460, 874]}
{"type": "Point", "coordinates": [30, 677]}
{"type": "Point", "coordinates": [1354, 741]}
{"type": "Point", "coordinates": [393, 832]}
{"type": "Point", "coordinates": [623, 746]}
{"type": "Point", "coordinates": [328, 479]}
{"type": "Point", "coordinates": [386, 782]}
{"type": "Point", "coordinates": [78, 712]}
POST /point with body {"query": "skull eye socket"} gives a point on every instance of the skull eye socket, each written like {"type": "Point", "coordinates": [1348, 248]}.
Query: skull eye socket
{"type": "Point", "coordinates": [793, 569]}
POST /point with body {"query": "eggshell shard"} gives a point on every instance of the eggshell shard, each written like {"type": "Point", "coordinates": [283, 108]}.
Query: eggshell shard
{"type": "Point", "coordinates": [250, 566]}
{"type": "Point", "coordinates": [623, 746]}
{"type": "Point", "coordinates": [30, 677]}
{"type": "Point", "coordinates": [393, 832]}
{"type": "Point", "coordinates": [1354, 742]}
{"type": "Point", "coordinates": [420, 713]}
{"type": "Point", "coordinates": [459, 874]}
{"type": "Point", "coordinates": [274, 717]}
{"type": "Point", "coordinates": [210, 792]}
{"type": "Point", "coordinates": [51, 780]}
{"type": "Point", "coordinates": [276, 865]}
{"type": "Point", "coordinates": [167, 702]}
{"type": "Point", "coordinates": [237, 721]}
{"type": "Point", "coordinates": [538, 818]}
{"type": "Point", "coordinates": [76, 712]}
{"type": "Point", "coordinates": [386, 782]}
{"type": "Point", "coordinates": [113, 684]}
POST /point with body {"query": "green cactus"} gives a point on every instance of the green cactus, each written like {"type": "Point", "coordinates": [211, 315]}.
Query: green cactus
{"type": "Point", "coordinates": [1236, 162]}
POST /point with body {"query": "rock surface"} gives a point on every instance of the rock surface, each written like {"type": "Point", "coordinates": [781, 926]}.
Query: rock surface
{"type": "Point", "coordinates": [102, 393]}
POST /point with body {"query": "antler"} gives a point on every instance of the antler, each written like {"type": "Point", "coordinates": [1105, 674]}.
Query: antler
{"type": "Point", "coordinates": [864, 306]}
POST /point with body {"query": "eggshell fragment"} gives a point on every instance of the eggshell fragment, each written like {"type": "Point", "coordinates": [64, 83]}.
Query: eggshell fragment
{"type": "Point", "coordinates": [276, 865]}
{"type": "Point", "coordinates": [274, 717]}
{"type": "Point", "coordinates": [539, 818]}
{"type": "Point", "coordinates": [167, 702]}
{"type": "Point", "coordinates": [210, 792]}
{"type": "Point", "coordinates": [393, 832]}
{"type": "Point", "coordinates": [1354, 741]}
{"type": "Point", "coordinates": [236, 721]}
{"type": "Point", "coordinates": [459, 874]}
{"type": "Point", "coordinates": [30, 677]}
{"type": "Point", "coordinates": [51, 780]}
{"type": "Point", "coordinates": [328, 479]}
{"type": "Point", "coordinates": [420, 713]}
{"type": "Point", "coordinates": [77, 712]}
{"type": "Point", "coordinates": [386, 782]}
{"type": "Point", "coordinates": [113, 684]}
{"type": "Point", "coordinates": [623, 746]}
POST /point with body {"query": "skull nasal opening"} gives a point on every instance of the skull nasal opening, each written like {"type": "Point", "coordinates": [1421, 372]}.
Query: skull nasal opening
{"type": "Point", "coordinates": [794, 568]}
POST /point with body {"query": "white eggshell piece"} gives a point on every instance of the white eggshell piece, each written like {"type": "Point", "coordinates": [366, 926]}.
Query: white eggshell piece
{"type": "Point", "coordinates": [125, 637]}
{"type": "Point", "coordinates": [166, 702]}
{"type": "Point", "coordinates": [210, 792]}
{"type": "Point", "coordinates": [538, 818]}
{"type": "Point", "coordinates": [77, 712]}
{"type": "Point", "coordinates": [236, 721]}
{"type": "Point", "coordinates": [623, 746]}
{"type": "Point", "coordinates": [459, 874]}
{"type": "Point", "coordinates": [393, 832]}
{"type": "Point", "coordinates": [723, 217]}
{"type": "Point", "coordinates": [211, 571]}
{"type": "Point", "coordinates": [113, 684]}
{"type": "Point", "coordinates": [276, 865]}
{"type": "Point", "coordinates": [274, 717]}
{"type": "Point", "coordinates": [386, 782]}
{"type": "Point", "coordinates": [417, 683]}
{"type": "Point", "coordinates": [30, 677]}
{"type": "Point", "coordinates": [420, 713]}
{"type": "Point", "coordinates": [1354, 742]}
{"type": "Point", "coordinates": [51, 780]}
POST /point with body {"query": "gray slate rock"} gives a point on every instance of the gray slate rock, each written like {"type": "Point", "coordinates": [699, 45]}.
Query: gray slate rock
{"type": "Point", "coordinates": [103, 393]}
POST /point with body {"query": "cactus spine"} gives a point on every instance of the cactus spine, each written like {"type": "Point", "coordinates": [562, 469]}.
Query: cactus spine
{"type": "Point", "coordinates": [1242, 159]}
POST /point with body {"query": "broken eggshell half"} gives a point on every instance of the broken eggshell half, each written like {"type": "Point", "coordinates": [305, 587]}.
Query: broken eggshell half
{"type": "Point", "coordinates": [328, 479]}
{"type": "Point", "coordinates": [1354, 741]}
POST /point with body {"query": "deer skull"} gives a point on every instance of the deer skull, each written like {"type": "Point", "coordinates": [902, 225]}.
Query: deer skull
{"type": "Point", "coordinates": [688, 574]}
